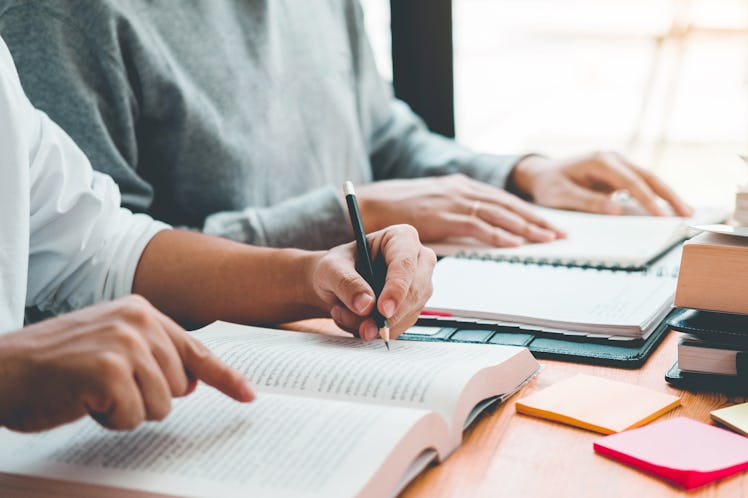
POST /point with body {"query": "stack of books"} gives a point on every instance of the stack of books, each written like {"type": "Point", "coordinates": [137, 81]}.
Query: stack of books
{"type": "Point", "coordinates": [713, 286]}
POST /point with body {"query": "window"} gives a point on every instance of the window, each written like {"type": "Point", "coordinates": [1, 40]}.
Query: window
{"type": "Point", "coordinates": [663, 81]}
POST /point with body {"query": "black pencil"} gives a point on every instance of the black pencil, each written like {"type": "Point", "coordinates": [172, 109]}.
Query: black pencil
{"type": "Point", "coordinates": [364, 264]}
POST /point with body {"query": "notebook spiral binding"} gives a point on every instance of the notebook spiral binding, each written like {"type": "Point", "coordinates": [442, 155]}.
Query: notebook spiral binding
{"type": "Point", "coordinates": [660, 271]}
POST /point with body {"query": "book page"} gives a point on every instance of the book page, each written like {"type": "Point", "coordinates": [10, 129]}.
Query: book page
{"type": "Point", "coordinates": [211, 445]}
{"type": "Point", "coordinates": [420, 375]}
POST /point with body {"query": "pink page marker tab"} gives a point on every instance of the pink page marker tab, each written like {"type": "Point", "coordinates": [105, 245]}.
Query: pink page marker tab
{"type": "Point", "coordinates": [681, 450]}
{"type": "Point", "coordinates": [428, 313]}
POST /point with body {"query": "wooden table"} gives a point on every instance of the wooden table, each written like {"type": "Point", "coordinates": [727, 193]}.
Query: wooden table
{"type": "Point", "coordinates": [511, 455]}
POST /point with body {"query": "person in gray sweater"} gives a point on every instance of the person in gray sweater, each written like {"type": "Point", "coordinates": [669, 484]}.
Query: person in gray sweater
{"type": "Point", "coordinates": [242, 118]}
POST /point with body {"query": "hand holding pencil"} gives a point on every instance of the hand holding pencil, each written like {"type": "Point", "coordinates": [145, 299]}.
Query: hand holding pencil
{"type": "Point", "coordinates": [402, 268]}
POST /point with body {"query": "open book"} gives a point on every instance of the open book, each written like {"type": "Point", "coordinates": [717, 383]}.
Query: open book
{"type": "Point", "coordinates": [334, 417]}
{"type": "Point", "coordinates": [595, 240]}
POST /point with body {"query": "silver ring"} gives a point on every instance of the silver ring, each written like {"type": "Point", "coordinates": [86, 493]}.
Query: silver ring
{"type": "Point", "coordinates": [474, 209]}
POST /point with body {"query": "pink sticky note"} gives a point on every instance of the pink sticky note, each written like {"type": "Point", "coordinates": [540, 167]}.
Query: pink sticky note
{"type": "Point", "coordinates": [681, 450]}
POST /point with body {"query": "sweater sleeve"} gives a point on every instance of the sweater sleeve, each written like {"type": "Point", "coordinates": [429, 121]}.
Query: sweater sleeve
{"type": "Point", "coordinates": [400, 144]}
{"type": "Point", "coordinates": [315, 220]}
{"type": "Point", "coordinates": [94, 96]}
{"type": "Point", "coordinates": [68, 68]}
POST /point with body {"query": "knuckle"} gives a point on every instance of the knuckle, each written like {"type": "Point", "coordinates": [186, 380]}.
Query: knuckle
{"type": "Point", "coordinates": [429, 256]}
{"type": "Point", "coordinates": [646, 174]}
{"type": "Point", "coordinates": [111, 367]}
{"type": "Point", "coordinates": [131, 422]}
{"type": "Point", "coordinates": [347, 280]}
{"type": "Point", "coordinates": [475, 229]}
{"type": "Point", "coordinates": [399, 286]}
{"type": "Point", "coordinates": [161, 410]}
{"type": "Point", "coordinates": [178, 383]}
{"type": "Point", "coordinates": [408, 264]}
{"type": "Point", "coordinates": [137, 310]}
{"type": "Point", "coordinates": [521, 225]}
{"type": "Point", "coordinates": [199, 351]}
{"type": "Point", "coordinates": [428, 290]}
{"type": "Point", "coordinates": [457, 183]}
{"type": "Point", "coordinates": [135, 301]}
{"type": "Point", "coordinates": [128, 337]}
{"type": "Point", "coordinates": [407, 231]}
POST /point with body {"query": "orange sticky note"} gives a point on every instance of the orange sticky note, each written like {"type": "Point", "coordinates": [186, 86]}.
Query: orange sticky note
{"type": "Point", "coordinates": [680, 450]}
{"type": "Point", "coordinates": [597, 404]}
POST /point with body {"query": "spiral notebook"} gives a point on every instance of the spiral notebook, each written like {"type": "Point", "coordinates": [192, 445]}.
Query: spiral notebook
{"type": "Point", "coordinates": [599, 241]}
{"type": "Point", "coordinates": [555, 298]}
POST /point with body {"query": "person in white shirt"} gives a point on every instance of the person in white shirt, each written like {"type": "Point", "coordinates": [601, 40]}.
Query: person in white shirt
{"type": "Point", "coordinates": [66, 244]}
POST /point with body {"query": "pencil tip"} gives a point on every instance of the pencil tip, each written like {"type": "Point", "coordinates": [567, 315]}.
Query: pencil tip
{"type": "Point", "coordinates": [384, 333]}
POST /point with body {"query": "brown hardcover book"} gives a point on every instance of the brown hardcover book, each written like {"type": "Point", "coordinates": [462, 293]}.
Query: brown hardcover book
{"type": "Point", "coordinates": [714, 274]}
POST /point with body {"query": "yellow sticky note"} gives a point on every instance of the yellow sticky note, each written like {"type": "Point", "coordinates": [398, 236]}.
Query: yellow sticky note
{"type": "Point", "coordinates": [735, 417]}
{"type": "Point", "coordinates": [597, 404]}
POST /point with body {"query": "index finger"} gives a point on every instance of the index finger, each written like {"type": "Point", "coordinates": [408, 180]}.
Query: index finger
{"type": "Point", "coordinates": [203, 365]}
{"type": "Point", "coordinates": [399, 247]}
{"type": "Point", "coordinates": [665, 192]}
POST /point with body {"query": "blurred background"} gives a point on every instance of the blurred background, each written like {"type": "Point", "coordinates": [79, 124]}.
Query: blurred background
{"type": "Point", "coordinates": [663, 81]}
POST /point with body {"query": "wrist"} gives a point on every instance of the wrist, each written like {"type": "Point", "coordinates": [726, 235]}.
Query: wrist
{"type": "Point", "coordinates": [521, 179]}
{"type": "Point", "coordinates": [9, 367]}
{"type": "Point", "coordinates": [307, 296]}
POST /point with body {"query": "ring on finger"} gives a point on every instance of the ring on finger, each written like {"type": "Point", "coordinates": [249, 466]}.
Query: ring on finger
{"type": "Point", "coordinates": [474, 209]}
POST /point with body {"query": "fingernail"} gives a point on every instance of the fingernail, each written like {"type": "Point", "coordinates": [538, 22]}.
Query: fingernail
{"type": "Point", "coordinates": [335, 313]}
{"type": "Point", "coordinates": [249, 391]}
{"type": "Point", "coordinates": [370, 332]}
{"type": "Point", "coordinates": [388, 308]}
{"type": "Point", "coordinates": [545, 235]}
{"type": "Point", "coordinates": [361, 302]}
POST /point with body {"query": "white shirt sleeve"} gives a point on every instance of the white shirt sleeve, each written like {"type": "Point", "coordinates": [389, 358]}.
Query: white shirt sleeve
{"type": "Point", "coordinates": [83, 247]}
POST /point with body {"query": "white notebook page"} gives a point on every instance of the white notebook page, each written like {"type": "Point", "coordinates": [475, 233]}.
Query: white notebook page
{"type": "Point", "coordinates": [598, 240]}
{"type": "Point", "coordinates": [599, 301]}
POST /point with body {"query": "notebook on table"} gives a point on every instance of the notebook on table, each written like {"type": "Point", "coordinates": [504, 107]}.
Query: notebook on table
{"type": "Point", "coordinates": [592, 301]}
{"type": "Point", "coordinates": [593, 240]}
{"type": "Point", "coordinates": [334, 416]}
{"type": "Point", "coordinates": [601, 316]}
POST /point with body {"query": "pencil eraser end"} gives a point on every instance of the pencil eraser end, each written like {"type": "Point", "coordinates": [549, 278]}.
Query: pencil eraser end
{"type": "Point", "coordinates": [348, 188]}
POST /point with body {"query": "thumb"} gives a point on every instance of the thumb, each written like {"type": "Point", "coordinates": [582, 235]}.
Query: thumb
{"type": "Point", "coordinates": [350, 288]}
{"type": "Point", "coordinates": [579, 198]}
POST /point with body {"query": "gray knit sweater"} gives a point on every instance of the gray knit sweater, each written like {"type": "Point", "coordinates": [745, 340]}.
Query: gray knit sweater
{"type": "Point", "coordinates": [241, 118]}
